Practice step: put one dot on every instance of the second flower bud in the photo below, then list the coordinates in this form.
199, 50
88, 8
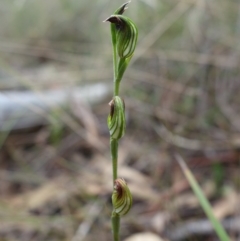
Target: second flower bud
116, 118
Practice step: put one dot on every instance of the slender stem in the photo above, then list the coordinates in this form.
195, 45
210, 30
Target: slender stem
114, 154
116, 87
115, 226
114, 142
115, 217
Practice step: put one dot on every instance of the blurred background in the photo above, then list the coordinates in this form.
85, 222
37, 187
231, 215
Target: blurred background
182, 95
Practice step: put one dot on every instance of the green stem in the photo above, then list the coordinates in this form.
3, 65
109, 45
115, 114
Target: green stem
116, 87
115, 226
114, 142
114, 154
115, 217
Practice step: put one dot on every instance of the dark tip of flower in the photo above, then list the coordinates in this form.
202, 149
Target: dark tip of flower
113, 19
122, 9
118, 186
119, 11
111, 103
117, 21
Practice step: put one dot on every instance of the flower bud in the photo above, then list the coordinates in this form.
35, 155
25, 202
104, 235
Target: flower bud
121, 197
116, 118
126, 35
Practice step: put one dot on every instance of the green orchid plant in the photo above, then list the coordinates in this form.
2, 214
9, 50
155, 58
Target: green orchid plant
124, 39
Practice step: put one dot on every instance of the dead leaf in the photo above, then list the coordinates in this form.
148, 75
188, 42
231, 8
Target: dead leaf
144, 237
227, 206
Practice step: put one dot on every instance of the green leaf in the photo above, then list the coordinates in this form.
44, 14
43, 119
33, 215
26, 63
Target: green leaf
223, 236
